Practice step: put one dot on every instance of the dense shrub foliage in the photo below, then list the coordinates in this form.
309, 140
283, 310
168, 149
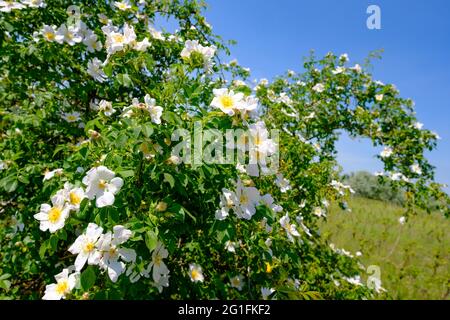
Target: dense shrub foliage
97, 204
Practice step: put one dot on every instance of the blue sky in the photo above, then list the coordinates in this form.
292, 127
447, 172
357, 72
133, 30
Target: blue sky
274, 36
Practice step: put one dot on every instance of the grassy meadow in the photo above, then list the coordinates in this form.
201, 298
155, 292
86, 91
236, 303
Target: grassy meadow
413, 257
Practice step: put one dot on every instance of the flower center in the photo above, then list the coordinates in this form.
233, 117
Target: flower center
54, 214
195, 274
243, 199
88, 247
50, 36
258, 140
289, 228
102, 184
118, 38
158, 259
236, 282
226, 101
62, 287
74, 198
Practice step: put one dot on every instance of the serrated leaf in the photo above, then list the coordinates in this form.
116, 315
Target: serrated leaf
169, 178
87, 278
126, 173
151, 239
147, 129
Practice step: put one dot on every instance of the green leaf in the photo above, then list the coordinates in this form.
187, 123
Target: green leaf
124, 79
151, 239
58, 149
108, 69
53, 242
62, 234
24, 179
9, 183
147, 129
43, 249
84, 206
113, 215
169, 178
117, 160
87, 278
84, 152
5, 284
126, 173
8, 26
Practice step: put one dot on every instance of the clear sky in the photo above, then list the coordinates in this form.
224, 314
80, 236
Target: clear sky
274, 36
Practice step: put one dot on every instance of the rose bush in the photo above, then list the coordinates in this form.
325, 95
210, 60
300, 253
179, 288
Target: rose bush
97, 205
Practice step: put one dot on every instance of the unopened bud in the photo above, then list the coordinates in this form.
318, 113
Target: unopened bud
161, 206
94, 134
173, 159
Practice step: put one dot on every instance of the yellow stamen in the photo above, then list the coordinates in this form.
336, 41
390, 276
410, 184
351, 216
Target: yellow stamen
157, 260
54, 214
226, 101
102, 184
195, 274
74, 198
268, 267
50, 36
258, 140
88, 247
243, 199
118, 38
62, 287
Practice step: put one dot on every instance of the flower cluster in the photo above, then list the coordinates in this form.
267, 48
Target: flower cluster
53, 217
194, 51
8, 6
232, 103
94, 248
149, 106
101, 184
72, 34
117, 40
341, 188
243, 201
104, 250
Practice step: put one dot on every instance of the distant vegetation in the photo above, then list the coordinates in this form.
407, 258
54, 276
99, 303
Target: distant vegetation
368, 186
413, 257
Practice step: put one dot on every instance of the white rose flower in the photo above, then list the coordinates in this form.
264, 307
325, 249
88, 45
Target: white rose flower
49, 33
63, 286
227, 101
85, 246
52, 218
103, 185
291, 229
112, 255
319, 88
94, 69
237, 282
196, 273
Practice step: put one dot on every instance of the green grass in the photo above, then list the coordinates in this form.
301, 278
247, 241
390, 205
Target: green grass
414, 258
